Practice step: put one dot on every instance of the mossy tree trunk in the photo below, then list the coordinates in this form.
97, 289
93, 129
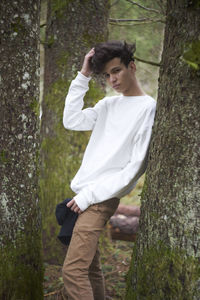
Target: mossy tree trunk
21, 268
165, 261
73, 27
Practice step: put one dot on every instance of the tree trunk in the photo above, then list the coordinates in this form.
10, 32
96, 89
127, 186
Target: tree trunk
73, 27
20, 225
165, 262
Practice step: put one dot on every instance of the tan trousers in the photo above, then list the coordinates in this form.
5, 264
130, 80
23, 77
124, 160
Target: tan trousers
82, 274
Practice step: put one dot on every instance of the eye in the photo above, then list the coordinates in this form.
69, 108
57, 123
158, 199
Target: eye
116, 70
106, 75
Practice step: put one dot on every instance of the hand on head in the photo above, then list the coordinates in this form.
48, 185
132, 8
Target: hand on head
86, 71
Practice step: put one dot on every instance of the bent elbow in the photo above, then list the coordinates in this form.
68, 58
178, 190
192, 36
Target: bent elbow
71, 121
66, 123
67, 119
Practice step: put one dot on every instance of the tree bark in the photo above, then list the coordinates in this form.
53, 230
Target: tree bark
165, 262
73, 27
21, 272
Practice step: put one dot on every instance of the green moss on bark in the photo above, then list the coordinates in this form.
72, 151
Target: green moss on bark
21, 269
62, 60
35, 106
18, 26
88, 39
3, 157
50, 41
191, 54
163, 273
59, 7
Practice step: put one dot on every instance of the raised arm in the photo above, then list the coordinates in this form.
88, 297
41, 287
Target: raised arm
74, 116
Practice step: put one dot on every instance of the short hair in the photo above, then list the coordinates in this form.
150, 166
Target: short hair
104, 52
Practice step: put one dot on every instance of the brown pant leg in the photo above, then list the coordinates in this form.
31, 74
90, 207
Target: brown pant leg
96, 277
82, 250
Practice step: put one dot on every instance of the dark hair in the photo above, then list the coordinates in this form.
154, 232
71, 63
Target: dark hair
104, 52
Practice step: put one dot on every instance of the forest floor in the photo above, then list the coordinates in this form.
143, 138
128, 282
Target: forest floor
115, 265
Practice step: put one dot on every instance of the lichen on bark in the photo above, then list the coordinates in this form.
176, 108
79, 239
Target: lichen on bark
20, 223
166, 257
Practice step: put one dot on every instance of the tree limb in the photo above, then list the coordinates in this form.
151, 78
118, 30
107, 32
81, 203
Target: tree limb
148, 62
144, 20
116, 23
143, 7
128, 20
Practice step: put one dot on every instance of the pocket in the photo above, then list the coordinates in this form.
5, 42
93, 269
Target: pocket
109, 207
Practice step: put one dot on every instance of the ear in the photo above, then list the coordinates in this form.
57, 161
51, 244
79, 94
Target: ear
132, 66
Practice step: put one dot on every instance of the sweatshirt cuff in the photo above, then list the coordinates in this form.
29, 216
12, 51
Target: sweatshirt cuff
82, 200
83, 77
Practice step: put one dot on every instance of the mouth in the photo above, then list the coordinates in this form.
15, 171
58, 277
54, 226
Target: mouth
116, 86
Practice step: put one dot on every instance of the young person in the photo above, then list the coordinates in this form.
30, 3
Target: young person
115, 158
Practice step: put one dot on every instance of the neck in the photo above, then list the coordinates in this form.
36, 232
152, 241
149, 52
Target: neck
134, 90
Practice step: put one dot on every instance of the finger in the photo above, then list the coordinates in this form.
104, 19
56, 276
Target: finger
70, 203
76, 209
73, 207
90, 53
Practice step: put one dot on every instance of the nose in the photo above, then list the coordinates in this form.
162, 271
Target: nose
112, 78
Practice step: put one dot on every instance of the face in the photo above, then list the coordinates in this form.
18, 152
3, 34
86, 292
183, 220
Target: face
120, 77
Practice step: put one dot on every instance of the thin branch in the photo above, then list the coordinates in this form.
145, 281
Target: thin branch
52, 293
125, 25
137, 21
148, 62
128, 20
143, 7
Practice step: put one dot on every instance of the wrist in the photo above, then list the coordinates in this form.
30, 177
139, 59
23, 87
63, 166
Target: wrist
85, 73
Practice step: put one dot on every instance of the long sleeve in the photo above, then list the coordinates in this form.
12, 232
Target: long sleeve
74, 116
114, 184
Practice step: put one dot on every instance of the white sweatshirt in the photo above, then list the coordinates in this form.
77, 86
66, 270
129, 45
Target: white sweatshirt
116, 154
